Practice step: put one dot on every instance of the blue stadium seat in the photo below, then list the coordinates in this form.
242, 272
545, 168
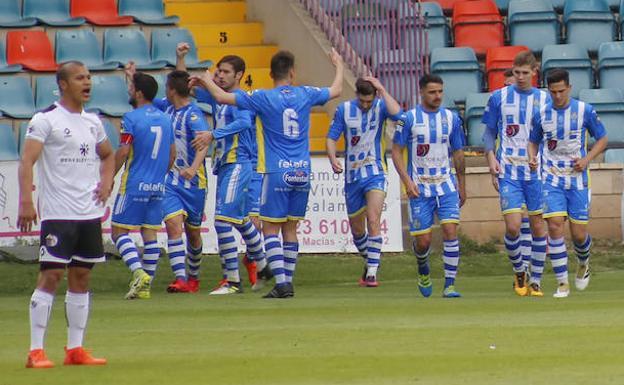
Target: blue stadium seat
112, 132
459, 69
82, 45
151, 12
475, 106
16, 98
573, 58
589, 23
23, 127
161, 79
609, 104
398, 72
364, 28
8, 144
46, 92
611, 64
4, 66
11, 16
122, 45
533, 23
438, 31
52, 12
614, 155
165, 41
109, 95
558, 5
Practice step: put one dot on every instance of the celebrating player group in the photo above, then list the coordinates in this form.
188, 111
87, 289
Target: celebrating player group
535, 144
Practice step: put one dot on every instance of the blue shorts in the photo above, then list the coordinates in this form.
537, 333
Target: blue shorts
253, 195
422, 209
284, 195
560, 202
517, 194
231, 197
355, 192
135, 211
188, 202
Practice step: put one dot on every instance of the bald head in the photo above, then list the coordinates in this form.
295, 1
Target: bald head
74, 83
65, 70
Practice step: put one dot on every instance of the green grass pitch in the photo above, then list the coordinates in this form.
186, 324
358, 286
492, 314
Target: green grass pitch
333, 332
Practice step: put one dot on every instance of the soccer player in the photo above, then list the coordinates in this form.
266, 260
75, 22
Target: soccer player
232, 163
562, 127
75, 164
147, 149
508, 116
362, 122
283, 157
434, 138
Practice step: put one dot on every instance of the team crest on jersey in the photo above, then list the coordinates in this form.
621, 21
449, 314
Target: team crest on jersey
296, 178
422, 149
194, 117
512, 130
355, 140
84, 149
552, 144
51, 240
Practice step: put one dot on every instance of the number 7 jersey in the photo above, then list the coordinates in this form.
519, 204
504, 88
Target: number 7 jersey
283, 138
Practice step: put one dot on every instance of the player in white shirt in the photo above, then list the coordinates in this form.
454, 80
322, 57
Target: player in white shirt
75, 163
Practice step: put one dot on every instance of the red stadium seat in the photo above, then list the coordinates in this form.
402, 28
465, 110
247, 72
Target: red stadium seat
31, 49
100, 12
499, 59
447, 5
478, 24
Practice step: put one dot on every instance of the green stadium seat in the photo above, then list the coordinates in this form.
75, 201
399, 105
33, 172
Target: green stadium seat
23, 127
611, 64
46, 92
459, 69
533, 23
11, 16
112, 132
8, 145
589, 23
609, 104
54, 13
165, 41
438, 31
81, 45
614, 155
109, 95
150, 12
16, 98
475, 106
4, 66
573, 58
122, 45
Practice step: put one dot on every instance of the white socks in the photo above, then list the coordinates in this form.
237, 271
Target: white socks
40, 309
77, 312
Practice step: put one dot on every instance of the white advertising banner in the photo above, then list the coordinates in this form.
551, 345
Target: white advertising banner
325, 229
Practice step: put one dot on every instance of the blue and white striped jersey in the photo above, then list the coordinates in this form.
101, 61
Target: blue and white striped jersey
430, 138
509, 116
185, 121
564, 133
364, 137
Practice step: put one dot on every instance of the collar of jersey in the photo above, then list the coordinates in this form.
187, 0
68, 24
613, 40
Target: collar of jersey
524, 92
62, 107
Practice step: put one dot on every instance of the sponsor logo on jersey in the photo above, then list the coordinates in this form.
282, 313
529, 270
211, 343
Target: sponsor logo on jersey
355, 140
293, 164
67, 132
296, 178
552, 144
422, 149
512, 130
152, 187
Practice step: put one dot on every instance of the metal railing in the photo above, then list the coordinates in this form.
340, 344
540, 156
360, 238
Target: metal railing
383, 38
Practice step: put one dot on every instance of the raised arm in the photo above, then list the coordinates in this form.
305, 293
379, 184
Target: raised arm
391, 105
220, 96
181, 50
336, 88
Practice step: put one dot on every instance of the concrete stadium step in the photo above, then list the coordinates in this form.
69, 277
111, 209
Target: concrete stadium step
227, 34
254, 55
208, 11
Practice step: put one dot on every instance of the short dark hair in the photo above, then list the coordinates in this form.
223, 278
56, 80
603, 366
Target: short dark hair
508, 73
281, 63
556, 75
146, 84
364, 87
429, 78
178, 81
235, 61
62, 72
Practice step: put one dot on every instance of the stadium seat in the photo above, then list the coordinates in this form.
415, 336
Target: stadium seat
101, 12
112, 133
365, 28
558, 5
122, 45
614, 155
52, 12
161, 79
4, 66
589, 23
11, 17
447, 5
533, 23
477, 24
609, 104
475, 106
151, 12
109, 95
46, 92
611, 64
503, 6
438, 31
497, 61
82, 45
16, 98
573, 58
8, 144
31, 49
459, 69
165, 41
22, 136
398, 72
